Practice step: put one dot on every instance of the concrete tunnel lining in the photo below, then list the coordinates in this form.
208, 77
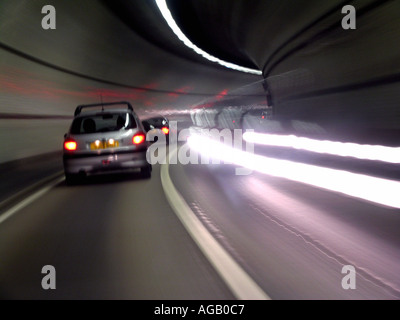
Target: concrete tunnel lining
92, 40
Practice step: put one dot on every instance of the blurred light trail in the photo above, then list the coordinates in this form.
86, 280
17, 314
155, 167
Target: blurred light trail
166, 13
382, 191
343, 149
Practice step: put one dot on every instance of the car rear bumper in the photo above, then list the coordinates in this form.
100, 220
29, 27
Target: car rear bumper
94, 164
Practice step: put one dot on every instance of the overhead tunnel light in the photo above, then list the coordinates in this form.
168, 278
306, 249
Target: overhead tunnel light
166, 13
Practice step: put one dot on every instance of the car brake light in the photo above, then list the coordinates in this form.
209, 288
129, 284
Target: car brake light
165, 130
70, 145
138, 138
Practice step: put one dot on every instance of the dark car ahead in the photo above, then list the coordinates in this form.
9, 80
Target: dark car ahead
108, 140
156, 125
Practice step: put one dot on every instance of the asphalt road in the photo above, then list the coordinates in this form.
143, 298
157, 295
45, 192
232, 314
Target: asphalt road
294, 239
109, 238
118, 238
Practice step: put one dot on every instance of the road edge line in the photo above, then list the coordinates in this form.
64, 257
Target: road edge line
240, 283
29, 189
28, 200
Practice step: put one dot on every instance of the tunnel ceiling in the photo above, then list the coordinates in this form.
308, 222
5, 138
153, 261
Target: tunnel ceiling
120, 50
217, 27
240, 31
314, 69
144, 18
196, 21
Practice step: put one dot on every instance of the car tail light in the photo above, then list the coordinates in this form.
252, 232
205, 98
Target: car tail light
70, 145
138, 138
165, 130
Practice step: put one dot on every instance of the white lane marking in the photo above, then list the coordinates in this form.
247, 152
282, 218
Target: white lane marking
22, 204
32, 187
240, 283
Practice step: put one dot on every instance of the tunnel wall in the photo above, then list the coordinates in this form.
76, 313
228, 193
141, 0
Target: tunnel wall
346, 80
315, 71
45, 74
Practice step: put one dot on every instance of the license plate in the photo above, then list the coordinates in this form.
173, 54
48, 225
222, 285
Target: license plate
105, 144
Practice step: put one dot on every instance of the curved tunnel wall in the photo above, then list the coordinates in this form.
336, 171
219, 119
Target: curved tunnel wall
44, 74
347, 81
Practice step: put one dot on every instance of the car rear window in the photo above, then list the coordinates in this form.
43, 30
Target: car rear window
104, 122
157, 122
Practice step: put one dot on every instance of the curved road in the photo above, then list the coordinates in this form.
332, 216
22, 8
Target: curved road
109, 238
116, 237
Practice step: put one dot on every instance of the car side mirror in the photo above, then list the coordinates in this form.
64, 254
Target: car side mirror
65, 135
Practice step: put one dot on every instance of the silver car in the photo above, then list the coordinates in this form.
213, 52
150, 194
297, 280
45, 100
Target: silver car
108, 140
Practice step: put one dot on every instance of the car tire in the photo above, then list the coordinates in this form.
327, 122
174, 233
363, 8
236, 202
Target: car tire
146, 172
72, 179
